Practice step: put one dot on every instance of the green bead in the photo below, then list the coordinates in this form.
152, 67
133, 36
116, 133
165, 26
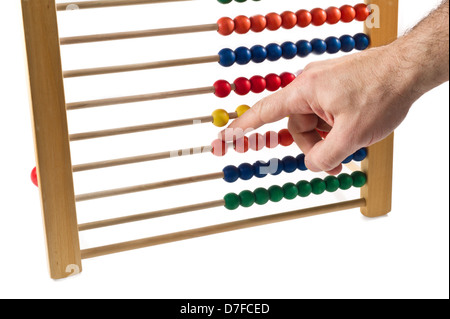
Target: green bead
290, 191
345, 181
224, 1
232, 201
247, 198
332, 183
359, 179
276, 193
304, 188
240, 0
318, 186
262, 196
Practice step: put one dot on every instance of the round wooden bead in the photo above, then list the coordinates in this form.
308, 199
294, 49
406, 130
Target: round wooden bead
347, 43
285, 138
243, 55
345, 181
231, 174
242, 86
276, 166
271, 139
332, 183
256, 142
262, 196
348, 159
242, 24
318, 186
319, 46
333, 15
333, 45
274, 52
261, 169
286, 79
359, 179
274, 21
34, 178
319, 16
348, 13
362, 41
220, 118
360, 155
290, 191
225, 26
289, 50
219, 148
304, 18
241, 145
259, 53
362, 12
258, 23
247, 198
247, 171
222, 88
232, 201
276, 193
301, 162
258, 84
273, 82
224, 1
289, 20
227, 57
304, 188
289, 164
242, 109
304, 48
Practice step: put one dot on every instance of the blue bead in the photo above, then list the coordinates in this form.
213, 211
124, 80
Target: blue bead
360, 155
261, 169
348, 159
304, 48
259, 53
274, 52
318, 46
231, 174
289, 50
290, 164
246, 171
301, 162
227, 57
243, 55
362, 41
347, 43
333, 45
276, 166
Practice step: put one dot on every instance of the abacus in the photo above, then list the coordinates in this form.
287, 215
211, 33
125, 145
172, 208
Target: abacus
54, 169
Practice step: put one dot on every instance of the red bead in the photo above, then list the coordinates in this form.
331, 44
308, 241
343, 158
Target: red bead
225, 26
348, 13
286, 79
289, 20
319, 16
219, 147
34, 179
259, 23
285, 138
273, 82
322, 133
243, 86
256, 142
274, 21
304, 18
242, 24
333, 15
222, 88
271, 139
362, 12
241, 145
258, 84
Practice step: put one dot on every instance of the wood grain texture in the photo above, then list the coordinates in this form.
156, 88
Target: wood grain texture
379, 163
49, 121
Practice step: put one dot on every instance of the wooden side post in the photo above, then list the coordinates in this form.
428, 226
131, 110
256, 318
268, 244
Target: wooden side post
48, 108
379, 164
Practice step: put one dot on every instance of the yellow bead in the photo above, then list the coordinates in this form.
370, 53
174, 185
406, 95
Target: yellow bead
220, 118
242, 109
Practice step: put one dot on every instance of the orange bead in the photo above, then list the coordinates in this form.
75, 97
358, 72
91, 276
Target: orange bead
225, 26
333, 15
348, 13
289, 20
319, 16
274, 21
242, 24
258, 22
304, 18
362, 12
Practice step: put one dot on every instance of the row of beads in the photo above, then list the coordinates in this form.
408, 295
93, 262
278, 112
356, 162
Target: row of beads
256, 84
228, 1
290, 191
255, 142
274, 167
289, 50
222, 117
288, 19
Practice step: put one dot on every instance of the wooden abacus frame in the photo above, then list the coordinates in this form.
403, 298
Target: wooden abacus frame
54, 166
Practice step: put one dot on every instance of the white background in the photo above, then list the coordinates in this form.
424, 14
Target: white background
341, 255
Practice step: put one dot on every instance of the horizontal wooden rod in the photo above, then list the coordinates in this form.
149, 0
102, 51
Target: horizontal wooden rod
140, 66
151, 215
144, 128
353, 166
221, 228
68, 6
137, 34
147, 187
138, 98
141, 158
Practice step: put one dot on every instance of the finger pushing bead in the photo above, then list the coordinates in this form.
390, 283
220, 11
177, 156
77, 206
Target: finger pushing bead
242, 109
286, 79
